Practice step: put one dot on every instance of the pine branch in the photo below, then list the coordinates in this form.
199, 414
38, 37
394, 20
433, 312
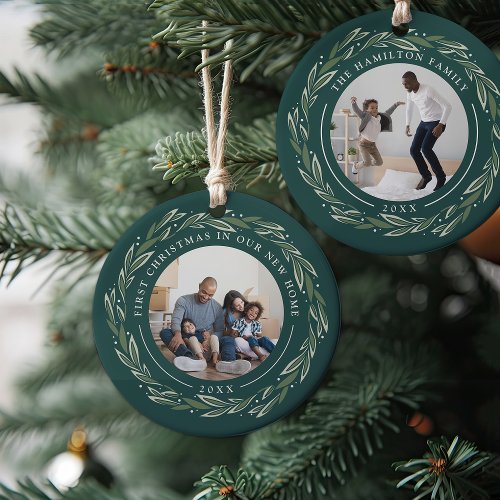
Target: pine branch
150, 70
274, 35
69, 28
250, 154
86, 489
80, 239
127, 147
83, 100
344, 424
457, 470
54, 416
70, 348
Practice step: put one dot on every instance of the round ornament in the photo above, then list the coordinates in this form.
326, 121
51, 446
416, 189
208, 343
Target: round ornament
417, 117
172, 271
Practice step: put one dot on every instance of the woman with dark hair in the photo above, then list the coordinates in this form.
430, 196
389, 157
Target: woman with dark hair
233, 307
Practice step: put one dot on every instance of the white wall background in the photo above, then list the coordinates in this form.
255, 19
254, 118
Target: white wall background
384, 85
233, 269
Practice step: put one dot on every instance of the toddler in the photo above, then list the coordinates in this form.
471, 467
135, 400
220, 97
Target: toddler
250, 328
199, 341
372, 123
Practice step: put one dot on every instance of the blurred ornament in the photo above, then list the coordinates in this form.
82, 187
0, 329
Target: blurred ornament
67, 469
421, 424
484, 242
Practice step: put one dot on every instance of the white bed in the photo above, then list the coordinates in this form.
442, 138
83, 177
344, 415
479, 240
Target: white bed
397, 185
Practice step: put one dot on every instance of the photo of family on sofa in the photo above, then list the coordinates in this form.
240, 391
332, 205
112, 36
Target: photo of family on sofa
216, 339
404, 148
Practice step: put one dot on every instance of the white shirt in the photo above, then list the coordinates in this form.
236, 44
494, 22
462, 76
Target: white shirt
372, 129
432, 106
247, 331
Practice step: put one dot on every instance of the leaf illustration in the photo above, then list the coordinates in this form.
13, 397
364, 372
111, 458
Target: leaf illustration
292, 127
121, 283
309, 287
304, 101
293, 365
288, 380
268, 407
421, 41
311, 77
241, 406
220, 224
450, 211
399, 232
454, 45
323, 80
354, 35
113, 327
481, 93
374, 39
215, 413
196, 404
379, 223
269, 225
298, 273
424, 225
143, 378
212, 401
146, 245
191, 220
305, 157
134, 352
305, 368
303, 132
125, 360
236, 221
345, 220
492, 104
397, 221
128, 258
477, 183
316, 170
109, 308
121, 314
287, 246
471, 199
140, 261
295, 146
307, 178
165, 401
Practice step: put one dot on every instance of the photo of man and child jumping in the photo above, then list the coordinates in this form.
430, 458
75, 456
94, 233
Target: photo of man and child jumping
399, 155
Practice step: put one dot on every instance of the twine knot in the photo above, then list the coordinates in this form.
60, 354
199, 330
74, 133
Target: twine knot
218, 181
402, 12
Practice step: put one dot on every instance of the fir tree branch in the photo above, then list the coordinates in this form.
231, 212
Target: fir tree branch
83, 100
344, 422
457, 470
274, 35
80, 239
86, 489
54, 416
69, 28
250, 154
152, 69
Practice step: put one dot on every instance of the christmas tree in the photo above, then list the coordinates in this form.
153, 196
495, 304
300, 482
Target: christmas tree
418, 356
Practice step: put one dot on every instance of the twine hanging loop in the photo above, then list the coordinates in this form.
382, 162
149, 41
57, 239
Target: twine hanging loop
218, 179
402, 12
